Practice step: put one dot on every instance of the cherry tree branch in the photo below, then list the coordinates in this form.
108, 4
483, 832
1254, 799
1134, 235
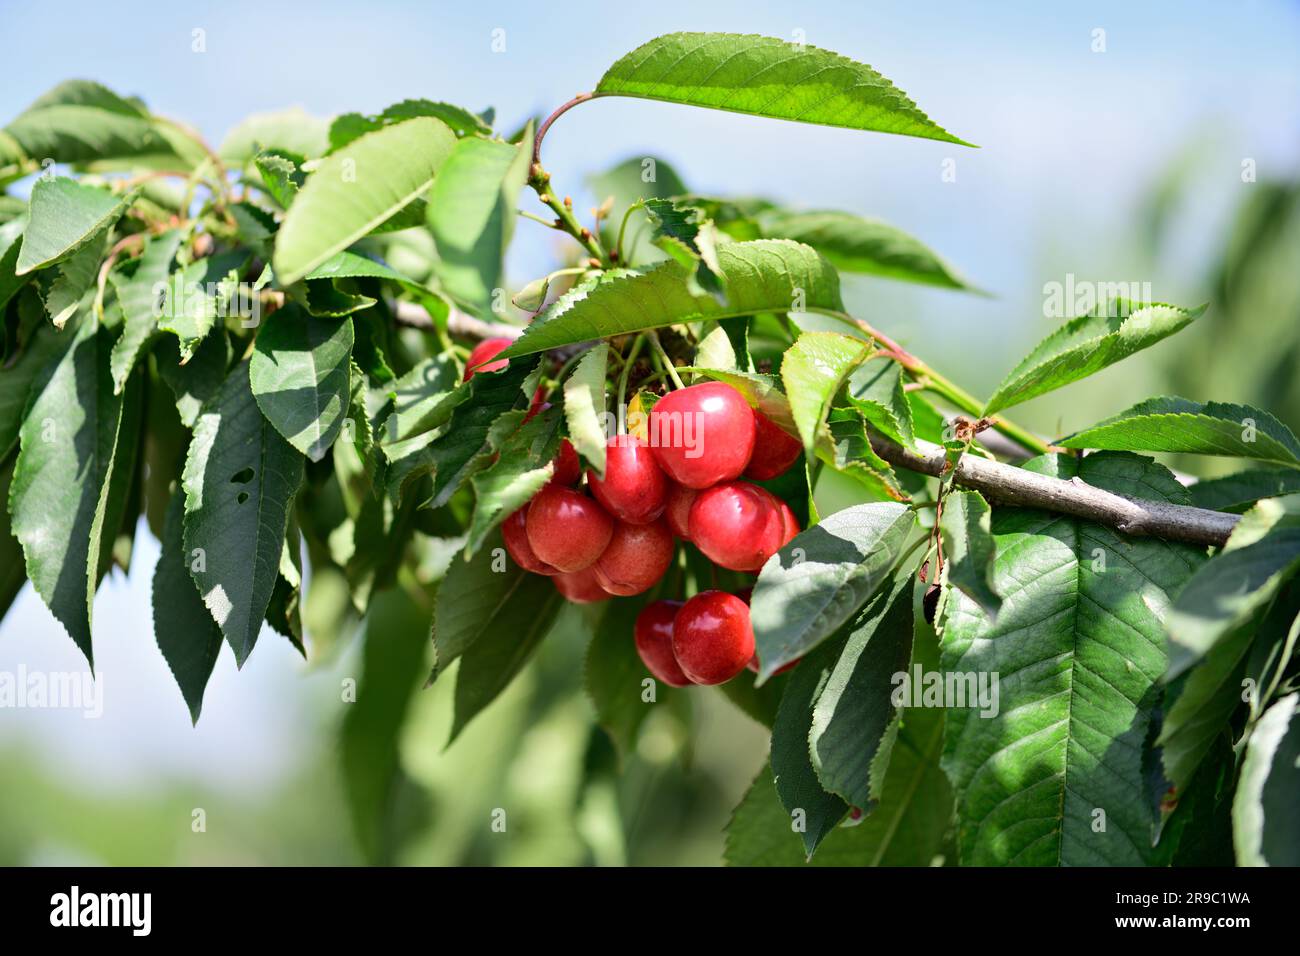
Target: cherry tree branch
458, 323
1009, 485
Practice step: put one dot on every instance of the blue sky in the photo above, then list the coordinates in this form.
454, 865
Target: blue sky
1070, 139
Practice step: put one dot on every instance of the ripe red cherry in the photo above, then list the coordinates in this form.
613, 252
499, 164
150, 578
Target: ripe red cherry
775, 449
713, 638
515, 532
637, 556
580, 587
567, 467
566, 529
654, 642
479, 357
789, 522
737, 525
678, 510
634, 487
703, 434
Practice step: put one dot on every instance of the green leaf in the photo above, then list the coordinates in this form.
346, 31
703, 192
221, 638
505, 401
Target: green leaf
11, 236
634, 179
472, 214
854, 708
240, 480
1180, 425
423, 399
75, 276
1261, 555
969, 549
281, 176
855, 244
524, 456
80, 121
813, 370
187, 636
65, 217
355, 189
60, 499
197, 296
392, 665
198, 380
767, 77
584, 405
491, 662
1089, 344
299, 373
1074, 657
40, 351
140, 300
1238, 492
848, 450
817, 582
763, 276
876, 390
1265, 821
12, 569
290, 131
615, 678
810, 807
460, 451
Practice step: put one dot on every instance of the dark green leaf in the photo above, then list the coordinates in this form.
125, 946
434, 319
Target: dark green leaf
1240, 491
299, 373
816, 583
969, 549
1265, 815
1050, 771
187, 636
240, 480
139, 298
876, 389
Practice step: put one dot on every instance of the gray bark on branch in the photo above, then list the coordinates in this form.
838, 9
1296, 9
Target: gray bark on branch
413, 316
1009, 485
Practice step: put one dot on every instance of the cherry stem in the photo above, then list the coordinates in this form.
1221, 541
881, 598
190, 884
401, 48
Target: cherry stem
546, 123
622, 381
663, 357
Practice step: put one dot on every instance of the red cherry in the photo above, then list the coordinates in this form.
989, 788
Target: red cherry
580, 587
775, 449
566, 529
713, 638
634, 488
637, 556
479, 357
678, 510
515, 532
789, 522
703, 434
737, 525
654, 642
567, 467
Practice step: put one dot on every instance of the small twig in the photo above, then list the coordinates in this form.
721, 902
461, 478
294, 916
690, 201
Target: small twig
1009, 485
546, 123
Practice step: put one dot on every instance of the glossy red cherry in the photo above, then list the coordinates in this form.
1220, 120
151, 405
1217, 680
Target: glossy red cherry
566, 529
480, 357
737, 525
634, 487
775, 449
580, 587
654, 642
515, 532
713, 638
703, 434
678, 509
567, 467
789, 522
637, 556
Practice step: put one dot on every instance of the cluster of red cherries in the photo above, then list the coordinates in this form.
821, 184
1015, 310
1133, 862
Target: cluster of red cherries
615, 536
